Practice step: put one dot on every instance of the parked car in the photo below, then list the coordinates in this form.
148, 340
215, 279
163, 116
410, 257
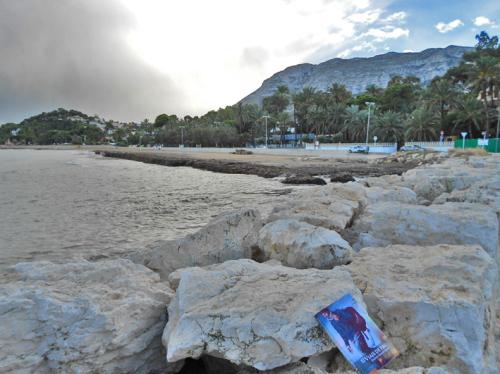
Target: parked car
413, 147
359, 149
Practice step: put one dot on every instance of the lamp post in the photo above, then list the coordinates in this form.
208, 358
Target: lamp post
464, 134
265, 118
369, 104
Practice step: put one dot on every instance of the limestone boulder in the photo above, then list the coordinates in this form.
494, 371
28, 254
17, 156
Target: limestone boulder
436, 303
301, 245
230, 236
258, 315
454, 174
333, 207
486, 192
82, 317
450, 223
377, 194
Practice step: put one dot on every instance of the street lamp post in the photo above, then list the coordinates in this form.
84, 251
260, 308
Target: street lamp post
369, 104
265, 118
464, 134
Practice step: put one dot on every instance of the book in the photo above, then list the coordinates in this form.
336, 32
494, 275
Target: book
355, 334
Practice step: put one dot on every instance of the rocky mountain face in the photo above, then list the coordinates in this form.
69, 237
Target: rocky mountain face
357, 73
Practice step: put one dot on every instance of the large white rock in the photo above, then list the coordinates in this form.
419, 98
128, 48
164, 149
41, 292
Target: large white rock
82, 317
486, 192
333, 207
377, 194
449, 176
259, 315
301, 245
454, 174
450, 223
230, 236
436, 303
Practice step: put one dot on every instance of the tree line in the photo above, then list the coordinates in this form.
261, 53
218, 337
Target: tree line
464, 99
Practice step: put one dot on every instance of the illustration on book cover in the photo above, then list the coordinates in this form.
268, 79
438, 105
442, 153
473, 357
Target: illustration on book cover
355, 334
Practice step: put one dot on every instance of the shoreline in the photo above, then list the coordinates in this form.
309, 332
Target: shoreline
298, 165
286, 164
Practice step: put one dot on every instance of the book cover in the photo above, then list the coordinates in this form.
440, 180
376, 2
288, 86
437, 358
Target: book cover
355, 334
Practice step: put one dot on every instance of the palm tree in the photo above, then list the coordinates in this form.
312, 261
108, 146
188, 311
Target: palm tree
374, 90
355, 123
469, 113
485, 76
335, 114
441, 94
283, 122
421, 125
389, 126
278, 101
303, 102
338, 93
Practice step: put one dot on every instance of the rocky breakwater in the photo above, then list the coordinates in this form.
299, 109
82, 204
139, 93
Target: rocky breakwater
419, 250
426, 242
82, 317
301, 172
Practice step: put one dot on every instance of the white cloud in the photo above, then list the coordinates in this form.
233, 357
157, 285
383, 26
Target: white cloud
482, 21
367, 17
388, 32
447, 27
223, 50
408, 51
396, 17
363, 46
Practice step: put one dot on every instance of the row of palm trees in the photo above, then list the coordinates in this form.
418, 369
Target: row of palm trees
464, 99
348, 121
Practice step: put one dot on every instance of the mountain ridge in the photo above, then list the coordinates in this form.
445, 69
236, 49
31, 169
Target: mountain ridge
359, 72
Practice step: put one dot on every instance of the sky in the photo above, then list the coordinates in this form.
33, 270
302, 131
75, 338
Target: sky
133, 59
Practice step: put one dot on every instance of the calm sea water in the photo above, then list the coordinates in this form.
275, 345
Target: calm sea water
58, 205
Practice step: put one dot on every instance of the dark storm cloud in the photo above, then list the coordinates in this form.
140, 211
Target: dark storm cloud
73, 54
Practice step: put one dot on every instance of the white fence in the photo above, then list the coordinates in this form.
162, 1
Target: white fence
325, 147
374, 147
386, 148
435, 146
